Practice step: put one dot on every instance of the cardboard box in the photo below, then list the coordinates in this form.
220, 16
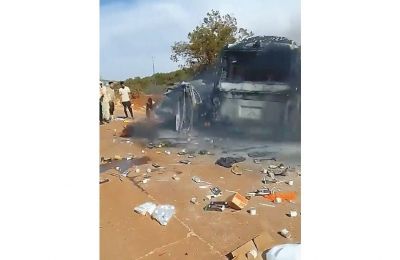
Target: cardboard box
237, 201
241, 251
264, 241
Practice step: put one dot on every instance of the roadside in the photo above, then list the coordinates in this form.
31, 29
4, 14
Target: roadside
192, 233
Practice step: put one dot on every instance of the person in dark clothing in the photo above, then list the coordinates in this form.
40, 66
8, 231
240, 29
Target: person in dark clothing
111, 95
101, 114
149, 107
101, 108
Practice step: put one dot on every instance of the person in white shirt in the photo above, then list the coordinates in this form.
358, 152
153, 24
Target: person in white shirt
125, 99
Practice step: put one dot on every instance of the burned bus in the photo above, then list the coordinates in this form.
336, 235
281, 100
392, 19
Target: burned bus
259, 83
256, 84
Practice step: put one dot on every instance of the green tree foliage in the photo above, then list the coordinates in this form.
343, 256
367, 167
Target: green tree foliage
207, 40
158, 82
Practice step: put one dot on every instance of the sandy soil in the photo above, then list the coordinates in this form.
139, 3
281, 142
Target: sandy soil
192, 233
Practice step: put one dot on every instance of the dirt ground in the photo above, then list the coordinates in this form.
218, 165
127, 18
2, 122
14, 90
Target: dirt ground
192, 233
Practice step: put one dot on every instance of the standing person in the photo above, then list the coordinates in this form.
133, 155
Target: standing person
105, 104
124, 91
111, 96
149, 107
101, 108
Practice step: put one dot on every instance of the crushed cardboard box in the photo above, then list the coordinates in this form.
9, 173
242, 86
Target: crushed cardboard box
241, 251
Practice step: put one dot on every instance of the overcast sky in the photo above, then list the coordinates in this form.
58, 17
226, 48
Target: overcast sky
132, 31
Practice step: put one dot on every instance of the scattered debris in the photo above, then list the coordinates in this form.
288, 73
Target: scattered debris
290, 183
191, 156
125, 173
227, 162
258, 161
253, 211
282, 173
283, 195
194, 200
236, 170
278, 200
167, 152
125, 140
185, 161
285, 233
203, 152
196, 179
266, 180
205, 186
292, 213
213, 196
176, 178
155, 165
144, 181
237, 201
268, 205
259, 192
104, 181
216, 191
216, 206
106, 160
275, 190
117, 157
273, 166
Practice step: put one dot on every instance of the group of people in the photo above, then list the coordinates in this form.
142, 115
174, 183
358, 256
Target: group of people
107, 101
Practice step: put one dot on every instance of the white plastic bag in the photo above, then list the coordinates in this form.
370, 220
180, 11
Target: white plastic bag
144, 208
163, 213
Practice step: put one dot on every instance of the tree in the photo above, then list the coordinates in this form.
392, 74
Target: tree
207, 40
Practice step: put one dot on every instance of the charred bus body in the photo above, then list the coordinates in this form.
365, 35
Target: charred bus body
259, 83
256, 83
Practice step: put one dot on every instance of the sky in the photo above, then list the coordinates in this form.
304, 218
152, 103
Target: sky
134, 31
